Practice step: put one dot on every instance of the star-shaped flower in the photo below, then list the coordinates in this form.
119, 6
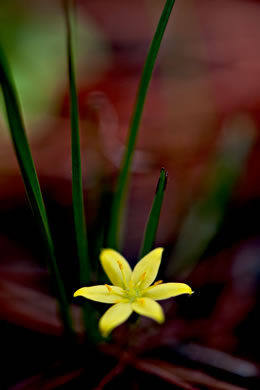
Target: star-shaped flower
131, 290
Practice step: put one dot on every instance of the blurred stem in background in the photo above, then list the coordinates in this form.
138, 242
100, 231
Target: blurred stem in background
205, 215
118, 203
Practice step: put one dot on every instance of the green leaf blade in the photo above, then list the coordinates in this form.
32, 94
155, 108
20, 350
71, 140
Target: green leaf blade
31, 183
123, 179
154, 216
77, 187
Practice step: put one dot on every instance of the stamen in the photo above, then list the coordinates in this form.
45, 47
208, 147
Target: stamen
153, 285
108, 287
122, 272
140, 281
158, 282
120, 265
141, 300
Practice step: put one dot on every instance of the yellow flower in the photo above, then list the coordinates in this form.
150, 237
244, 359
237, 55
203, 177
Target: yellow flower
131, 290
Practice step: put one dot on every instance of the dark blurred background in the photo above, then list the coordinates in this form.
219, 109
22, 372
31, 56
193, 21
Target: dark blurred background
201, 122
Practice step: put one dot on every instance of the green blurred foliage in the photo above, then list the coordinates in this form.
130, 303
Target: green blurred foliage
33, 35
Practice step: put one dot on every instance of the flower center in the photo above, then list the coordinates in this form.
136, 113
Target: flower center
132, 293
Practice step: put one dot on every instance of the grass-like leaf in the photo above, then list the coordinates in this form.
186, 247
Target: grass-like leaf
77, 188
31, 182
121, 189
153, 219
205, 215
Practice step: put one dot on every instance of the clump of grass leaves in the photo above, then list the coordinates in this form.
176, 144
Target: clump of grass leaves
29, 175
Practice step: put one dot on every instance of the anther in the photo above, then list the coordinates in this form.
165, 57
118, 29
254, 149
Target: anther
120, 265
108, 287
143, 276
158, 282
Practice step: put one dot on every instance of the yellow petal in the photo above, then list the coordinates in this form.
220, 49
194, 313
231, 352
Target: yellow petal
167, 290
109, 294
146, 269
114, 317
149, 308
116, 267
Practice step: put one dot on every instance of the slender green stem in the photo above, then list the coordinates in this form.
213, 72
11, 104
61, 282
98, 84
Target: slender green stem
154, 216
120, 194
77, 188
31, 182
